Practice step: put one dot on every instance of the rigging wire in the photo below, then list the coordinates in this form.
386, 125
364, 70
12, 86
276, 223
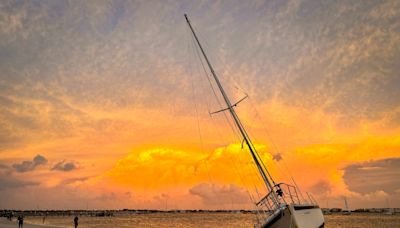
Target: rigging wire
215, 94
262, 168
198, 125
251, 144
252, 199
236, 86
228, 70
277, 150
257, 156
227, 67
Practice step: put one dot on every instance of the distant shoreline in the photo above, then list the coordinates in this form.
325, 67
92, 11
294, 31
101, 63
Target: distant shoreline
105, 213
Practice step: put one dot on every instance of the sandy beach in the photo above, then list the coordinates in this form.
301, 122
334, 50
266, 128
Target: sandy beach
189, 220
4, 223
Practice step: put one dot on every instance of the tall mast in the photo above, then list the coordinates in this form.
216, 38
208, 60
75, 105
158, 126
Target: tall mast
260, 165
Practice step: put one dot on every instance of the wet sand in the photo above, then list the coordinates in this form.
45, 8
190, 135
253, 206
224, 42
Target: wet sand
206, 220
4, 223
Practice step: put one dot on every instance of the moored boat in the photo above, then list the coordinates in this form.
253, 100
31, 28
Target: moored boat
281, 206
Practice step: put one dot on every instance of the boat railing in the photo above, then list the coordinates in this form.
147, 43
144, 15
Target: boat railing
268, 201
312, 199
281, 194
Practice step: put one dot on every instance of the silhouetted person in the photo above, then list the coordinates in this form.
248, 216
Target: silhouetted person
76, 221
20, 221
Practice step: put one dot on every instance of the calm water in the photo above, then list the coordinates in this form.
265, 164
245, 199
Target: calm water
210, 220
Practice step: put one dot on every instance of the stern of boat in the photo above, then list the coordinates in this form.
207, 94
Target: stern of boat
307, 215
290, 211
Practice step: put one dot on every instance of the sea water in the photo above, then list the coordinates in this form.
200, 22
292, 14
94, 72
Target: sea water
362, 220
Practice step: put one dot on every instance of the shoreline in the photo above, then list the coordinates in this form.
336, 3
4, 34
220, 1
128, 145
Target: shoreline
188, 220
5, 223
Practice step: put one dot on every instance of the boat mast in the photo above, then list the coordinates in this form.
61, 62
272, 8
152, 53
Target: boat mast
264, 174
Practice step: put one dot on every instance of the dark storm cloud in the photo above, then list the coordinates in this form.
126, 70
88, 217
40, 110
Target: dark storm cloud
26, 166
373, 176
64, 166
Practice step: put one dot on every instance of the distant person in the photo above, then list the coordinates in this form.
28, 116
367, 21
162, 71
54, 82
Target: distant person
44, 219
20, 221
76, 221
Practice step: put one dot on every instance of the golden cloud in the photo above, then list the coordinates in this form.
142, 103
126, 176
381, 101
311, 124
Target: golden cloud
163, 167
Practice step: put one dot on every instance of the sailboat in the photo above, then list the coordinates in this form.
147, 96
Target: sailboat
281, 206
346, 211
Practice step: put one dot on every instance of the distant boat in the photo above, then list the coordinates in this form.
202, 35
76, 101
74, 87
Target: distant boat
281, 206
346, 211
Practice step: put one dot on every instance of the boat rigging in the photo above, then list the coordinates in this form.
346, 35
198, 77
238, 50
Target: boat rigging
282, 203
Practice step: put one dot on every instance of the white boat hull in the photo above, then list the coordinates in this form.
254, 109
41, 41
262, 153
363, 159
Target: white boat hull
299, 216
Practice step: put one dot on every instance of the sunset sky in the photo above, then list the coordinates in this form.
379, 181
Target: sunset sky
105, 104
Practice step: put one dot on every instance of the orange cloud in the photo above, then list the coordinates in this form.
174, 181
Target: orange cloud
166, 168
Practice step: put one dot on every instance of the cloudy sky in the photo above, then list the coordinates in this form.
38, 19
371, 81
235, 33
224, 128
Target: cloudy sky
105, 104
